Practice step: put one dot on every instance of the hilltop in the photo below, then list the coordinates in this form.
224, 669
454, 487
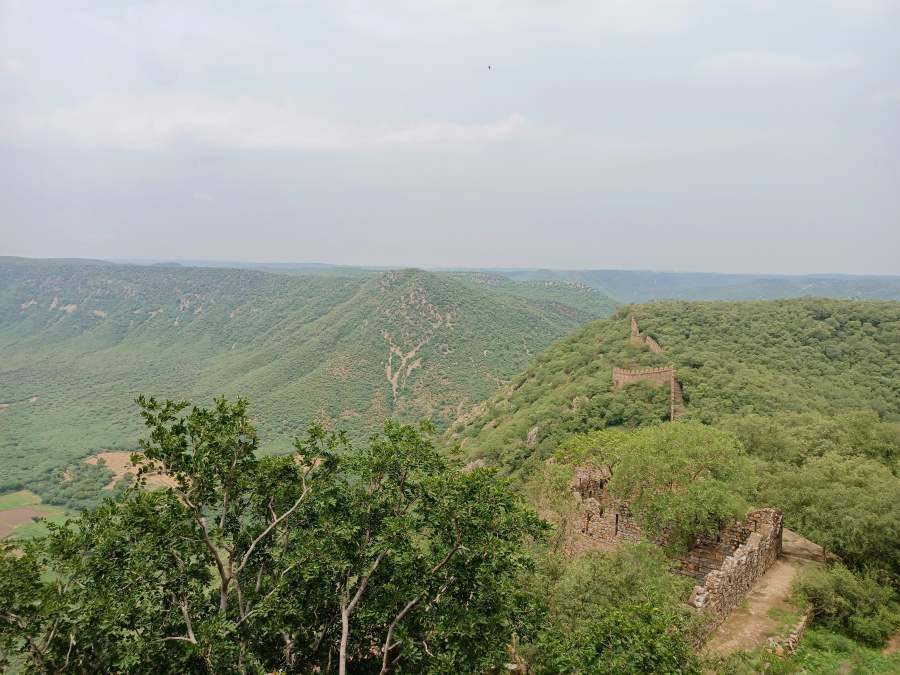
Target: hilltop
81, 339
752, 358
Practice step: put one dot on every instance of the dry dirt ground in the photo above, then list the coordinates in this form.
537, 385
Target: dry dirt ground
893, 645
119, 462
12, 518
749, 626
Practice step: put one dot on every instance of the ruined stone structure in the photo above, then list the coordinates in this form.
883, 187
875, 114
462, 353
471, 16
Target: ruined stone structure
601, 521
725, 568
663, 376
641, 339
722, 589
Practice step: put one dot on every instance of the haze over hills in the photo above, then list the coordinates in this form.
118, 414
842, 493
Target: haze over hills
80, 339
627, 286
644, 285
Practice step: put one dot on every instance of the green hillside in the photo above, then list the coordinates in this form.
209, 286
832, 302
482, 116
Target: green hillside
80, 339
756, 358
576, 300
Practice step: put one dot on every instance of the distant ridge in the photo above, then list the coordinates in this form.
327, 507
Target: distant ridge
85, 338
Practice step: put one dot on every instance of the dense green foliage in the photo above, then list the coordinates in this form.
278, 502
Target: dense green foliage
849, 505
860, 605
806, 388
78, 486
377, 559
681, 480
80, 339
622, 612
758, 358
575, 300
792, 438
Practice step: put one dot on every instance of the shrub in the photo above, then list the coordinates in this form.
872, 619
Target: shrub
858, 605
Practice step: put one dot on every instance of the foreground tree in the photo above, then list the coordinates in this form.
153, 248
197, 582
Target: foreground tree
332, 559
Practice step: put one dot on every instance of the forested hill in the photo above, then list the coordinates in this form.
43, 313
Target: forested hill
774, 357
80, 339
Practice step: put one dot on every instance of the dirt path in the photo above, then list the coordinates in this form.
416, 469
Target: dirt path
119, 462
893, 645
749, 626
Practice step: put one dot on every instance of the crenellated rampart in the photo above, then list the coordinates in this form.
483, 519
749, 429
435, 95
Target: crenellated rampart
659, 376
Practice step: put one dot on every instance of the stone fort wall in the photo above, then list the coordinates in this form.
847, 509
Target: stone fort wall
660, 376
724, 568
724, 588
639, 338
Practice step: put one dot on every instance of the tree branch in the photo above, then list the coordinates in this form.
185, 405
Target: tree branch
268, 529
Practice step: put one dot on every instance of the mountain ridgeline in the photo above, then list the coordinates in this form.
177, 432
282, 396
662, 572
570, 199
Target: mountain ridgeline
731, 359
81, 339
644, 286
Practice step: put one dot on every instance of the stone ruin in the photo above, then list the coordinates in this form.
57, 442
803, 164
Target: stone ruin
642, 339
724, 568
662, 376
733, 571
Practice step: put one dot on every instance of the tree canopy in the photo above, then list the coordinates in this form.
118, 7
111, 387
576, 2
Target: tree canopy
334, 558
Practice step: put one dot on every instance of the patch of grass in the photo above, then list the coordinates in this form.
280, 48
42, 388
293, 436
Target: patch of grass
785, 617
821, 651
14, 500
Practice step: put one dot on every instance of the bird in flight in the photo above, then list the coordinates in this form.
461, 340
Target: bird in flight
489, 67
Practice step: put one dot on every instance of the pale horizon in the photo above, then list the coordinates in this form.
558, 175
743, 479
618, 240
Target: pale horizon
732, 137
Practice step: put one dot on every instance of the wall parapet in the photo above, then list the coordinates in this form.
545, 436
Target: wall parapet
788, 644
643, 371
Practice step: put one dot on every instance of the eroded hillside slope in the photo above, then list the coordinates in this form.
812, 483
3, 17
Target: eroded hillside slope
80, 339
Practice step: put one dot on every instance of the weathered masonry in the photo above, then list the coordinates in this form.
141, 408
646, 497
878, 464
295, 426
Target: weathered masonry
662, 376
724, 568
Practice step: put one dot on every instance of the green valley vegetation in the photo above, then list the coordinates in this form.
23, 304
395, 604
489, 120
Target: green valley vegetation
645, 286
384, 556
81, 339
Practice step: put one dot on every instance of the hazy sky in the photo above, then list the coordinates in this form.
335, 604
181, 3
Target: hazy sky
718, 135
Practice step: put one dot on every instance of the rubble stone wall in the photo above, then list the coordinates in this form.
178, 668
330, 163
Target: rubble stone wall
725, 568
723, 589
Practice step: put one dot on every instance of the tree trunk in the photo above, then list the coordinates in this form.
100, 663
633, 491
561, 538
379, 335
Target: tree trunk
345, 634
